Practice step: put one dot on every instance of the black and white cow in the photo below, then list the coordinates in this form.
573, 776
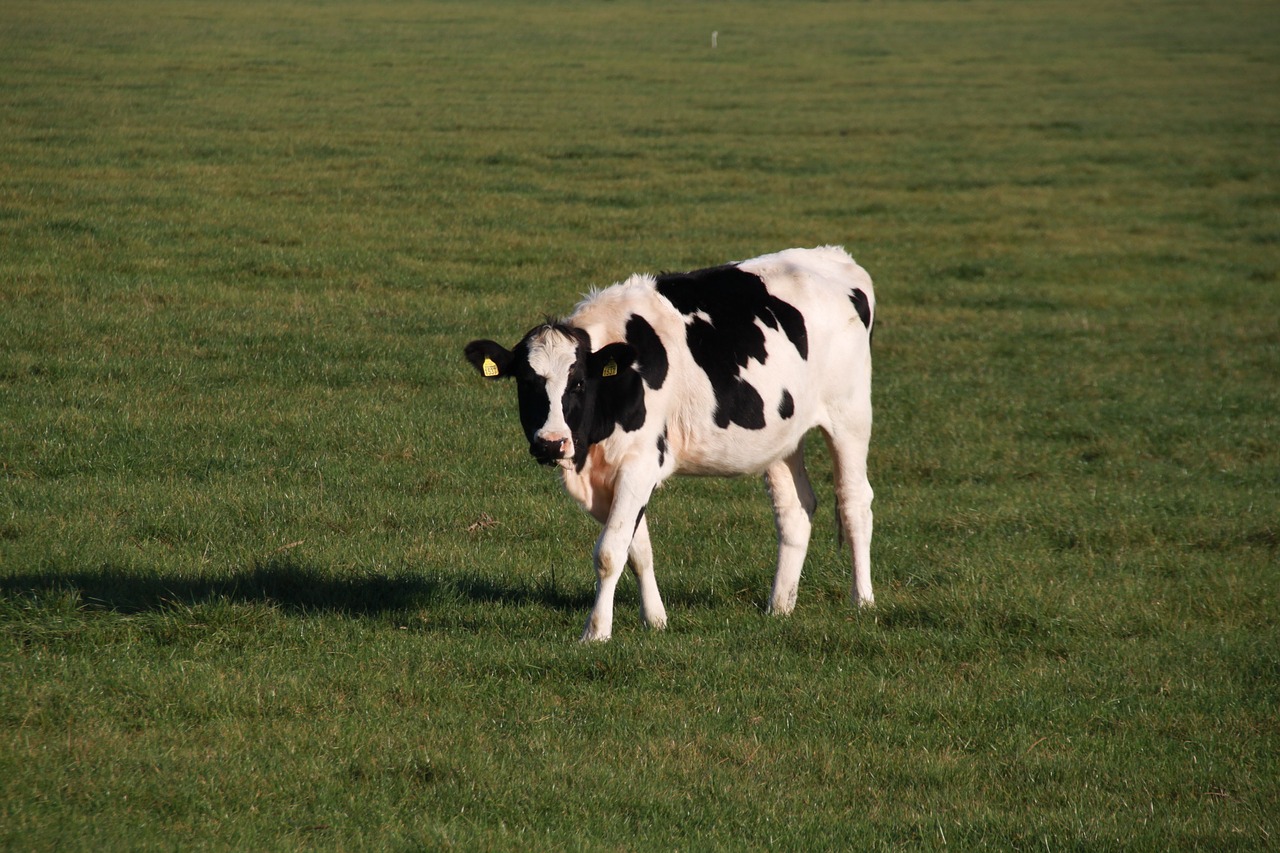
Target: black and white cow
719, 371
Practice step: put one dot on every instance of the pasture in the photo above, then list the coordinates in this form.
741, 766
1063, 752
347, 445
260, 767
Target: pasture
276, 571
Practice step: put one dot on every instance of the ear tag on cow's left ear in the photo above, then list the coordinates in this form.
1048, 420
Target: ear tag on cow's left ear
610, 369
489, 367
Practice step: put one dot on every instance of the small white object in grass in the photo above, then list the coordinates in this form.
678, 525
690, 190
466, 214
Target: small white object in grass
714, 34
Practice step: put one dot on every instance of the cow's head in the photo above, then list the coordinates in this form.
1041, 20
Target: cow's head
570, 397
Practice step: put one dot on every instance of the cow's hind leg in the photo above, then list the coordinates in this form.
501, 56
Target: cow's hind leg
853, 495
793, 506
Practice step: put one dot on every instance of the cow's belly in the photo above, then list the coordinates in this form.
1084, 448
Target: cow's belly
786, 396
733, 451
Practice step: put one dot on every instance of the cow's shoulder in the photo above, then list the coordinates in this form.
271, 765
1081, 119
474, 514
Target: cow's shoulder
633, 313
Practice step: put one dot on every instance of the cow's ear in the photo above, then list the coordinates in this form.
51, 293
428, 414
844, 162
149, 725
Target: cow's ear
491, 359
610, 361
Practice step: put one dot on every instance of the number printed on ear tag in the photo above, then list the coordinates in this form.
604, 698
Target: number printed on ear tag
489, 367
610, 369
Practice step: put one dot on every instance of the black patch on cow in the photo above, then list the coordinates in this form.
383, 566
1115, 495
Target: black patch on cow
723, 341
639, 518
787, 406
862, 306
662, 448
602, 403
649, 349
737, 401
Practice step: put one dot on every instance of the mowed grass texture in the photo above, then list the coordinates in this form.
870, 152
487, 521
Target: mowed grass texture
277, 573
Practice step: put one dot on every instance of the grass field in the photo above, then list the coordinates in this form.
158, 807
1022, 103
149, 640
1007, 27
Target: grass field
276, 571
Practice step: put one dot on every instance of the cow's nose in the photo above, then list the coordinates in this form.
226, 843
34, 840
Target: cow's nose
548, 450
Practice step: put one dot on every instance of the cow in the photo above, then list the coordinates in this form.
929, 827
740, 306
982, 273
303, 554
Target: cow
720, 371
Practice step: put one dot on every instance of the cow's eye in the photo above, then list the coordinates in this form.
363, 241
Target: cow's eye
576, 386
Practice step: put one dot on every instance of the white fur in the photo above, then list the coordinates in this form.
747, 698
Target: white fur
551, 355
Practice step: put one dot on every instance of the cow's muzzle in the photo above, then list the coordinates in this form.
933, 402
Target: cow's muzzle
549, 451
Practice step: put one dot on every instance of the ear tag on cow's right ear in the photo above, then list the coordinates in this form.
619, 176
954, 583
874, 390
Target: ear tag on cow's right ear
610, 369
489, 367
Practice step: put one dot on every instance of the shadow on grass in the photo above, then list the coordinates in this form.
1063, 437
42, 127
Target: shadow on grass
291, 585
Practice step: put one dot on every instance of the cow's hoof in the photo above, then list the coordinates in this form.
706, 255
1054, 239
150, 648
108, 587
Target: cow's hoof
782, 605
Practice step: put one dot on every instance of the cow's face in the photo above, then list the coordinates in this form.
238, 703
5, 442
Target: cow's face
570, 397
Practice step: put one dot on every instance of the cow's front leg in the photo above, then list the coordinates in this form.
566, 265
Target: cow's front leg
651, 609
621, 528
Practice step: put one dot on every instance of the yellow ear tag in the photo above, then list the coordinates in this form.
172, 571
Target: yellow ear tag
489, 367
610, 369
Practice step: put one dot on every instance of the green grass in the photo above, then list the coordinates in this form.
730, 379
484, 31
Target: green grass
275, 571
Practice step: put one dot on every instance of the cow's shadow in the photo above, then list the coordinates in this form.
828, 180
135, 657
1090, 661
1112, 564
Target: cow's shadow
291, 585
